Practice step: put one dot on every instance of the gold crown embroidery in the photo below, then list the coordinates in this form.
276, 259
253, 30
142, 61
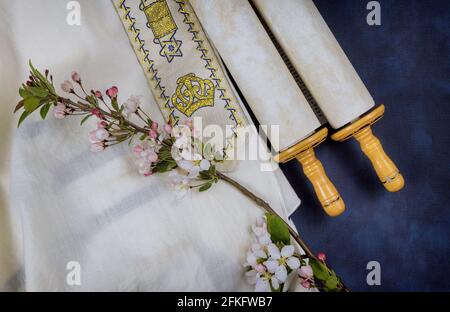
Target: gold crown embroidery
193, 93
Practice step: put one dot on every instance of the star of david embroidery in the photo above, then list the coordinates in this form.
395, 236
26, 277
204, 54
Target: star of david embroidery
170, 48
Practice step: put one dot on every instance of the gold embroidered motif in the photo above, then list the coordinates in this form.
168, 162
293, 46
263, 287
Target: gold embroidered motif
160, 20
198, 37
193, 93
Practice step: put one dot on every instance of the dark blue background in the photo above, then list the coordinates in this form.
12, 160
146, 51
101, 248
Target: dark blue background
405, 64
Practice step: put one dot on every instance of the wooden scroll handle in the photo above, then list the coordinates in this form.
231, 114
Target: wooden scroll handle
385, 168
326, 192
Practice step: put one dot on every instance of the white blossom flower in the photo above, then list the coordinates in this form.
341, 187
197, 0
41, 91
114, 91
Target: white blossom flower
182, 135
260, 232
262, 283
180, 183
204, 164
60, 111
279, 260
144, 166
132, 104
265, 280
98, 135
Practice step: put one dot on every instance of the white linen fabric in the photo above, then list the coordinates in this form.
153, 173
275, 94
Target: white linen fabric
61, 203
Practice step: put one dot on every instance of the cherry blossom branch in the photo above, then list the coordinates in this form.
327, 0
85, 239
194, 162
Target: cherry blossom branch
88, 109
192, 165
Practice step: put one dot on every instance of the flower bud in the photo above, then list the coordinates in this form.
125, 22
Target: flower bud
76, 77
321, 256
112, 92
102, 124
97, 147
153, 134
67, 86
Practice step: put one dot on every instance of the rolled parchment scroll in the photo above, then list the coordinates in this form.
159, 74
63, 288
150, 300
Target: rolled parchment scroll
269, 88
330, 77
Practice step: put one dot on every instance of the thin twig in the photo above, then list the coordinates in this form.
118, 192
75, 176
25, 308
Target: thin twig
263, 204
87, 108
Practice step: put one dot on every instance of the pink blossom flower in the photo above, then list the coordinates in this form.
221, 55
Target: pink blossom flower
76, 77
167, 128
147, 155
305, 284
154, 126
321, 256
98, 94
306, 275
138, 149
60, 111
97, 112
152, 156
97, 147
153, 134
102, 124
67, 86
112, 92
306, 272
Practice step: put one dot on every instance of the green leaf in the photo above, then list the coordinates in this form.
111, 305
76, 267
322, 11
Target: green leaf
321, 272
277, 229
22, 118
332, 283
44, 110
85, 118
23, 93
204, 175
212, 170
92, 100
205, 187
114, 104
164, 166
38, 92
130, 140
31, 103
41, 77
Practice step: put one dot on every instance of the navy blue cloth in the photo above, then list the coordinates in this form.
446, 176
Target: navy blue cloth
405, 64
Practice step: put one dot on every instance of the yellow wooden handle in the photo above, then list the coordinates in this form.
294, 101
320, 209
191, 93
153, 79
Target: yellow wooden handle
328, 196
386, 170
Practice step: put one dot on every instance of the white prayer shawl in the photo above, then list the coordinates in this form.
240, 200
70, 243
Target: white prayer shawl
61, 203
